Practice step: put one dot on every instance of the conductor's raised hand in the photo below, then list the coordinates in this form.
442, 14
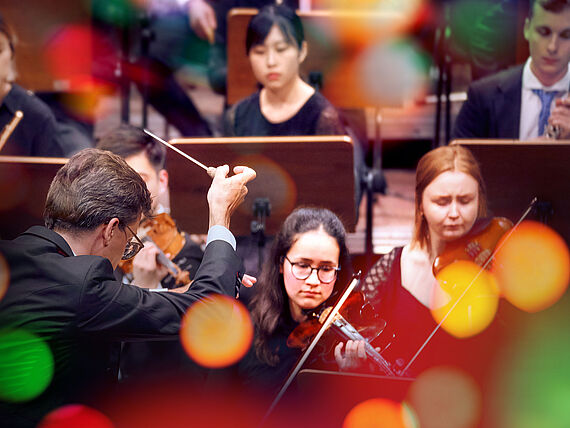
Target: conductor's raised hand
227, 193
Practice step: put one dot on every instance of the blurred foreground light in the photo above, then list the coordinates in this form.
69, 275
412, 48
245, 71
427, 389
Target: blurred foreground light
391, 73
366, 21
216, 332
119, 13
532, 266
26, 365
466, 298
379, 413
73, 73
445, 397
4, 276
75, 416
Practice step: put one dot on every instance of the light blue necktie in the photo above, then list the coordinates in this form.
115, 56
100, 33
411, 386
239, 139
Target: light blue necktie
546, 98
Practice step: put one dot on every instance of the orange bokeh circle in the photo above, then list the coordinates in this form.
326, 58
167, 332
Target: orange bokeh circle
379, 412
532, 266
216, 332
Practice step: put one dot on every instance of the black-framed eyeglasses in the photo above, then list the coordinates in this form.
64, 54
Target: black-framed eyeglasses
302, 270
134, 245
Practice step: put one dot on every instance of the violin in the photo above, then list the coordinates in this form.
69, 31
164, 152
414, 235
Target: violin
304, 332
476, 246
162, 231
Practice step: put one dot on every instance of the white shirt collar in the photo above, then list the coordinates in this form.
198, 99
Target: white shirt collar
530, 81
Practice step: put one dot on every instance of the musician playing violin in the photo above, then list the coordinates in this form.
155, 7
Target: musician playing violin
147, 156
449, 199
308, 266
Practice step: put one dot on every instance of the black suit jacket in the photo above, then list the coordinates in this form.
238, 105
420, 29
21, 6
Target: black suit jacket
493, 107
81, 311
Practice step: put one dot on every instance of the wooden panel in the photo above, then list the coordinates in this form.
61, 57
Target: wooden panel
291, 171
24, 183
330, 51
517, 171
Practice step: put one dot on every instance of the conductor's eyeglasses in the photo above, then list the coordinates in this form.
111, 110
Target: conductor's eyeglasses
302, 270
134, 245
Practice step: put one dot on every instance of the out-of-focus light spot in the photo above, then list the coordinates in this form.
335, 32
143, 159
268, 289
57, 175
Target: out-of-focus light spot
74, 416
473, 311
391, 74
379, 412
4, 276
276, 182
366, 21
69, 55
483, 30
531, 387
119, 13
444, 397
532, 266
26, 366
216, 332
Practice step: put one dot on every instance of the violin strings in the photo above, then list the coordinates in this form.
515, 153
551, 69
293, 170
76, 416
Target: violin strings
483, 267
176, 149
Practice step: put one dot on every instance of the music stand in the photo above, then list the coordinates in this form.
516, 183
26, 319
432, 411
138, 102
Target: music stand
517, 171
24, 183
291, 171
324, 398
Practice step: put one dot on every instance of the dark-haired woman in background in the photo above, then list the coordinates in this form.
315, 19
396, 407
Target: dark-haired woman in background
285, 105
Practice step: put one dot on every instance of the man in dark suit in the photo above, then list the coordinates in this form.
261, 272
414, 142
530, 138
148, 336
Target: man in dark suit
516, 103
63, 291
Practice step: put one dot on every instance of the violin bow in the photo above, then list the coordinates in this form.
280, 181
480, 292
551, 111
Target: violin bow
495, 251
9, 128
326, 324
180, 152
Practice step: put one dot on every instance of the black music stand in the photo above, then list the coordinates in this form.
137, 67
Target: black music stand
517, 171
324, 398
291, 171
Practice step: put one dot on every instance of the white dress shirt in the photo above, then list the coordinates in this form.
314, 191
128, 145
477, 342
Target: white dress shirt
530, 102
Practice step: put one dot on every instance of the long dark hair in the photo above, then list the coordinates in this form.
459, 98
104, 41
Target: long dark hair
271, 303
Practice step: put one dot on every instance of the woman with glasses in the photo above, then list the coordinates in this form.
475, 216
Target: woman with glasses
308, 266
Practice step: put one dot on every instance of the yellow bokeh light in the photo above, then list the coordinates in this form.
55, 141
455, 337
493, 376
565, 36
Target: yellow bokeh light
445, 397
217, 331
379, 412
467, 297
532, 266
